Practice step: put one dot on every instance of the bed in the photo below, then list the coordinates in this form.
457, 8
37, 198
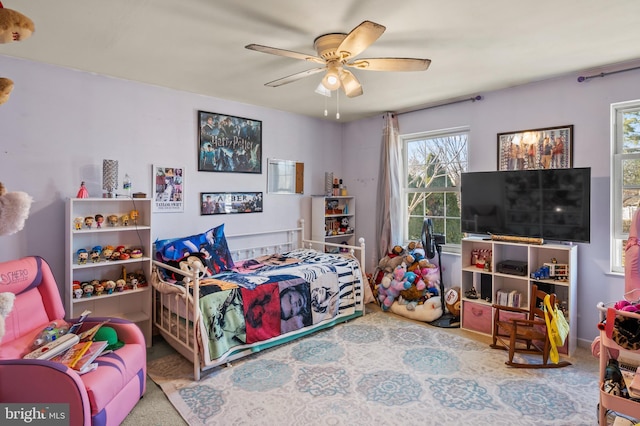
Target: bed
214, 304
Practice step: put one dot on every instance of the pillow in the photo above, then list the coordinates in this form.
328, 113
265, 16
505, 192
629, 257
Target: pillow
212, 244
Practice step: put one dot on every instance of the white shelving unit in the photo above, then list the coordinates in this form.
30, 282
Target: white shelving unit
131, 304
477, 314
327, 212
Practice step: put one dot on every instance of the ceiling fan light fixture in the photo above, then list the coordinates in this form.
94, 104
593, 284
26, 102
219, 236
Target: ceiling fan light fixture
331, 80
321, 90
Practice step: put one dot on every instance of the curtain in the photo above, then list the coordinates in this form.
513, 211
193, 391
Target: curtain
389, 204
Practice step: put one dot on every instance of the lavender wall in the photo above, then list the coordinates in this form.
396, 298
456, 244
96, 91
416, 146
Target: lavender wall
59, 125
548, 103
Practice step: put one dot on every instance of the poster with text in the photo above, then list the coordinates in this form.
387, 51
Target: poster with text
168, 189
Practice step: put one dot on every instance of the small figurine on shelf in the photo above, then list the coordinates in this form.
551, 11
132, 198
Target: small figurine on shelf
99, 220
107, 251
109, 286
77, 222
134, 216
115, 255
75, 287
88, 290
88, 221
344, 226
83, 256
112, 219
77, 293
99, 289
95, 254
120, 285
134, 283
82, 192
136, 253
125, 220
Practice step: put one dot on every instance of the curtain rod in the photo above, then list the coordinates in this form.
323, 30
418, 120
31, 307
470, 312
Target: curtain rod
472, 99
604, 74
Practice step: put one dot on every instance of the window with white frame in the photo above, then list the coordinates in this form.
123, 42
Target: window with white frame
625, 176
433, 163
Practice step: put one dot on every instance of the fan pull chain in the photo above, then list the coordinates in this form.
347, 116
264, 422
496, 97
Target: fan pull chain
326, 111
338, 104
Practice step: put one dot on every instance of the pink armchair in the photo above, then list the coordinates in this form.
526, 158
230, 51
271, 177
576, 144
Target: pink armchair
102, 397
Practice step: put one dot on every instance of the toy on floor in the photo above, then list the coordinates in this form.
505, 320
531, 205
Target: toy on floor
411, 282
428, 311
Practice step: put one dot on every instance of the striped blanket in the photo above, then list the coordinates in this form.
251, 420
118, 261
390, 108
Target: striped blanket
273, 295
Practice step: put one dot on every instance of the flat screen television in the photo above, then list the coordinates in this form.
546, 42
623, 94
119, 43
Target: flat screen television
553, 204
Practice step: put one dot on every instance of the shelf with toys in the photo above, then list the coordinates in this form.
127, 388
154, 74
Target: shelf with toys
502, 272
108, 259
333, 219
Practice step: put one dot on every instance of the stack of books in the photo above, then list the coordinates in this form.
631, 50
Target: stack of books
80, 356
508, 298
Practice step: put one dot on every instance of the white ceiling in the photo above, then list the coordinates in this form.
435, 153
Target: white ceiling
198, 45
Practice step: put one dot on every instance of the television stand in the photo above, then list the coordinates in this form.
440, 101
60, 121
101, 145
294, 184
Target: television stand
482, 263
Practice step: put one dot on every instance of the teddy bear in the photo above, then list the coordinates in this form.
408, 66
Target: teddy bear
14, 210
14, 26
6, 86
6, 304
391, 286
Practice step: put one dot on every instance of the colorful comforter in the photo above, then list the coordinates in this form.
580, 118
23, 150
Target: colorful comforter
273, 295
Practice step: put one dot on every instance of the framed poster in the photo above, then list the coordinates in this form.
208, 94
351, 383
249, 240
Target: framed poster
546, 148
168, 189
230, 202
229, 144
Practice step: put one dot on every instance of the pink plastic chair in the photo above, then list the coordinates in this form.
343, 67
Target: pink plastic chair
102, 397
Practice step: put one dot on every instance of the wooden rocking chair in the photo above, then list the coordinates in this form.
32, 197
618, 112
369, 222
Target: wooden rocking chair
519, 330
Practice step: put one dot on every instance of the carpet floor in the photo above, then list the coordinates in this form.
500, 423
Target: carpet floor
379, 369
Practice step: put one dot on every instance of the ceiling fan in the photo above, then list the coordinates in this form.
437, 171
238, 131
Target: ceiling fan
336, 51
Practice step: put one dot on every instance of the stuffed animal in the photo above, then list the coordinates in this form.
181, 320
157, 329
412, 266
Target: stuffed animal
14, 26
6, 304
14, 210
391, 286
452, 301
429, 311
6, 86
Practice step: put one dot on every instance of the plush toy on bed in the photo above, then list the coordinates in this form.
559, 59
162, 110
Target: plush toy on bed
6, 304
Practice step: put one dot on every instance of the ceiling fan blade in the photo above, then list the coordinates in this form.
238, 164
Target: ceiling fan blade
359, 39
391, 64
350, 84
286, 53
294, 77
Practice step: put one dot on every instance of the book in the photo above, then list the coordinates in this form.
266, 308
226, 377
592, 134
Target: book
72, 355
94, 351
88, 334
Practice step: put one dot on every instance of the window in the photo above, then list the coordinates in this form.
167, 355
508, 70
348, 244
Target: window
625, 181
433, 162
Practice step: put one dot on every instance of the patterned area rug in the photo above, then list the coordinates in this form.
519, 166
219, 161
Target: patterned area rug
382, 370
